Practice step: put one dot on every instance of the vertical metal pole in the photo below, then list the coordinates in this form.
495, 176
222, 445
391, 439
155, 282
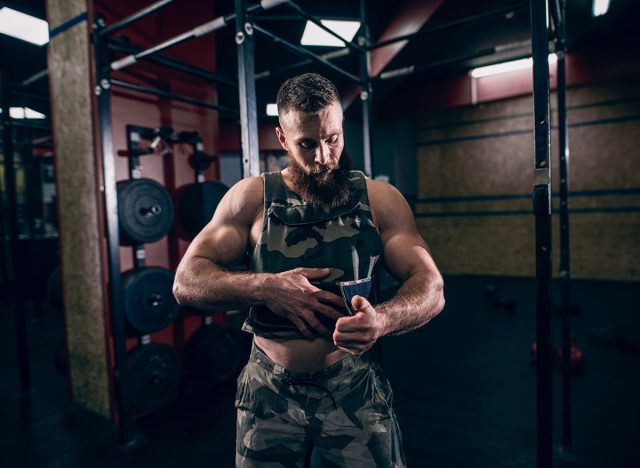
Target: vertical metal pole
20, 312
102, 89
565, 265
366, 92
31, 198
247, 89
542, 212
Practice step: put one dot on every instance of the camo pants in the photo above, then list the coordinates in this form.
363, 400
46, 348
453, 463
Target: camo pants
339, 416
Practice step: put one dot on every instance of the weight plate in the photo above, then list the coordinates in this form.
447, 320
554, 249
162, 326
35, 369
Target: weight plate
148, 302
154, 374
197, 204
145, 211
216, 353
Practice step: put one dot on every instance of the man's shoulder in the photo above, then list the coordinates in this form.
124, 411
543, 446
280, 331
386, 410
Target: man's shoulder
249, 187
246, 196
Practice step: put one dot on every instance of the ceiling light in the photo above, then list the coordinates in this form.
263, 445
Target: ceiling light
316, 36
25, 113
600, 7
505, 67
272, 109
22, 26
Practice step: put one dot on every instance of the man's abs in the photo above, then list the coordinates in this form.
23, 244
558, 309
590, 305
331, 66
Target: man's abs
301, 355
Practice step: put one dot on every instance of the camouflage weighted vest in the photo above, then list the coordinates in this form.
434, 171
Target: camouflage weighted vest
296, 234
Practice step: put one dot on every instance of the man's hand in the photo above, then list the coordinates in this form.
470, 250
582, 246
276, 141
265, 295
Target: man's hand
296, 299
358, 333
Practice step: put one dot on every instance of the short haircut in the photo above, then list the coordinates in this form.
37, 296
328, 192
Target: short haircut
307, 93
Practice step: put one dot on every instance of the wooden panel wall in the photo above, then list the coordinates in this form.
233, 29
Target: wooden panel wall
471, 161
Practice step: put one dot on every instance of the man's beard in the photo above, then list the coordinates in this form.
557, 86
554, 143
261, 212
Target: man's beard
320, 185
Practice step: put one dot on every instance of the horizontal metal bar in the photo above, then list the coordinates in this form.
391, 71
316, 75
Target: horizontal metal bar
437, 63
304, 52
398, 72
210, 26
172, 96
175, 64
205, 28
328, 56
35, 77
451, 24
135, 17
28, 123
318, 23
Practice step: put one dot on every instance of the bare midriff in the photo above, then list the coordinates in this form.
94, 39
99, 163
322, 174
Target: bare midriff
301, 355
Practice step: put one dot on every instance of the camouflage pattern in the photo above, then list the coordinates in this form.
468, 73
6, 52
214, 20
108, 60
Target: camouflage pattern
337, 417
296, 234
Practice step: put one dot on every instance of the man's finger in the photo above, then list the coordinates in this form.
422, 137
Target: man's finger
316, 324
313, 273
358, 321
301, 325
330, 298
359, 303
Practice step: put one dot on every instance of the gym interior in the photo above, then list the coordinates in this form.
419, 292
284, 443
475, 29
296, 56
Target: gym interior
511, 129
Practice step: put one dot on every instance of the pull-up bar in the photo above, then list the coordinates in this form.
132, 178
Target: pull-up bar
206, 28
172, 96
135, 17
174, 64
398, 72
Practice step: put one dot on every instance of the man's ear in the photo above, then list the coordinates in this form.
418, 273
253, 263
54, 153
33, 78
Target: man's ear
281, 138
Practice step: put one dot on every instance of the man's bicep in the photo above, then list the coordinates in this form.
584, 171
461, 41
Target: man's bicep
405, 254
223, 244
405, 250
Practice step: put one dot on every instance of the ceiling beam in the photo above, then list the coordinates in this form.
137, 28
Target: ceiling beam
410, 19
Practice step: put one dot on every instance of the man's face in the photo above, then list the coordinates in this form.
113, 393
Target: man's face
314, 141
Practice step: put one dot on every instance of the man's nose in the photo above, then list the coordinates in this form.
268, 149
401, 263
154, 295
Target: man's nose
323, 154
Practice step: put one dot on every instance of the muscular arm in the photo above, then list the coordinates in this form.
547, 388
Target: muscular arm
419, 299
204, 282
201, 279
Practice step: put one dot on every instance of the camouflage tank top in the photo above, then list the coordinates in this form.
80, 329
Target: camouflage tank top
297, 234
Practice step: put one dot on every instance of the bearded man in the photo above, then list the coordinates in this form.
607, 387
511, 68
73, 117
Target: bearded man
310, 390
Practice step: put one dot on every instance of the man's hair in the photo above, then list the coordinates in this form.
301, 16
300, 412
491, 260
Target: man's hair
307, 93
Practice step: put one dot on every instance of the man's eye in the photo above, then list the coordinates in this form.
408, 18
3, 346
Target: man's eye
333, 140
306, 145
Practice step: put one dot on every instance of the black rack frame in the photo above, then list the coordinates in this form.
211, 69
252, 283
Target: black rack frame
558, 14
542, 213
245, 35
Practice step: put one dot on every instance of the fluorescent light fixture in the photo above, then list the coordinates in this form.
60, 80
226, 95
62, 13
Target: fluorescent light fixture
600, 7
272, 109
505, 67
22, 26
315, 36
25, 113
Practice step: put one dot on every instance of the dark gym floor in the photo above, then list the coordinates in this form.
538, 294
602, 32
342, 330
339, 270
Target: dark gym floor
464, 392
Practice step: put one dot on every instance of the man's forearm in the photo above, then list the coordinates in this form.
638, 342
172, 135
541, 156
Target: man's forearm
204, 285
418, 300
